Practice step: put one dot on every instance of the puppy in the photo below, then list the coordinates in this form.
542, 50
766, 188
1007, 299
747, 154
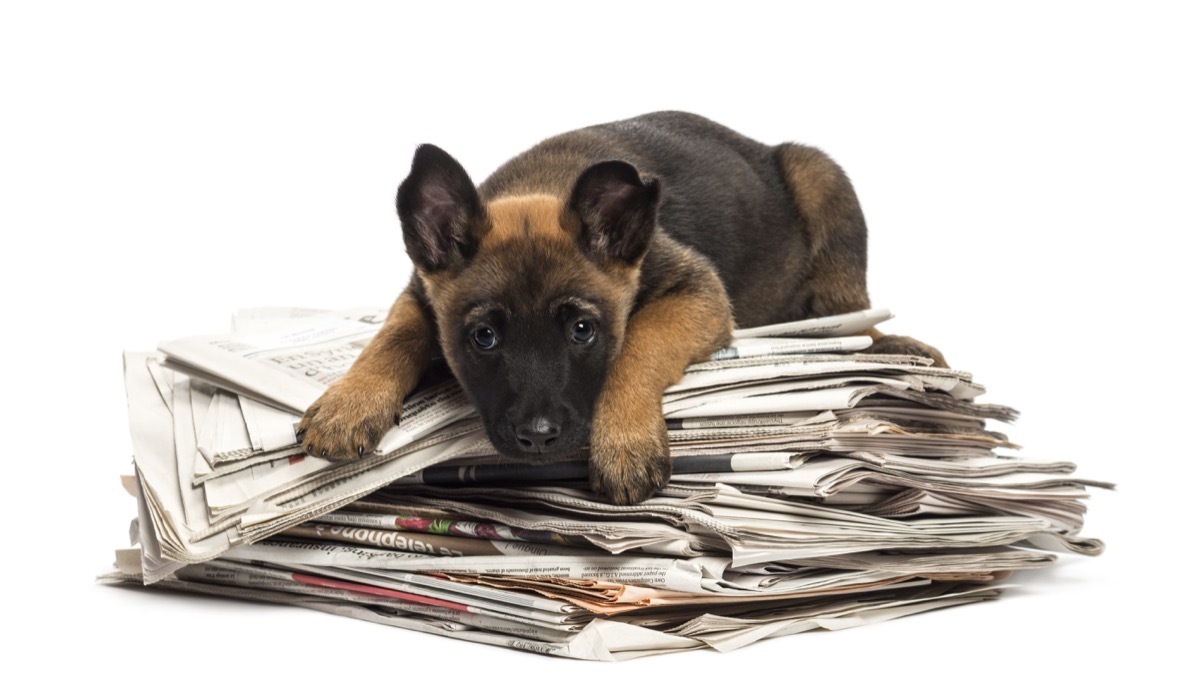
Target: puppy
580, 279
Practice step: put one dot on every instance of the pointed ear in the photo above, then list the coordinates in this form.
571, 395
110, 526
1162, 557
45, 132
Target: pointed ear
617, 210
440, 212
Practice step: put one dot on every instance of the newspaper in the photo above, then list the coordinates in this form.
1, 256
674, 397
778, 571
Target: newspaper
287, 367
813, 487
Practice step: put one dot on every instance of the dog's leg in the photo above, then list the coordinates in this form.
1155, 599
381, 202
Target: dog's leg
630, 459
350, 418
834, 278
835, 281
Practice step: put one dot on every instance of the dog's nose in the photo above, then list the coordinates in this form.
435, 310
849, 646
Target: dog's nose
536, 435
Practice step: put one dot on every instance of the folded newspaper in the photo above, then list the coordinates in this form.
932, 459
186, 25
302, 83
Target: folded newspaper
814, 487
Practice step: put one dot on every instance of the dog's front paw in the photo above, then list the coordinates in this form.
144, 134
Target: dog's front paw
904, 345
350, 418
630, 459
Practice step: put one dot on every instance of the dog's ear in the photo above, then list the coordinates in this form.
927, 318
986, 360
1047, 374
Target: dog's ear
617, 211
440, 212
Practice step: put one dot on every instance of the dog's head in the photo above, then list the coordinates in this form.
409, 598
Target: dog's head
530, 293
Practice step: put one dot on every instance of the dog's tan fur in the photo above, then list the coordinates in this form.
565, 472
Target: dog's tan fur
535, 215
351, 417
629, 427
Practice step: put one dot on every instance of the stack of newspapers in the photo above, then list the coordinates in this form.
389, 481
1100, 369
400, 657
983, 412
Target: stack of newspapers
814, 487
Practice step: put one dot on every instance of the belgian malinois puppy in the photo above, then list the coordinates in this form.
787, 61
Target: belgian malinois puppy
580, 279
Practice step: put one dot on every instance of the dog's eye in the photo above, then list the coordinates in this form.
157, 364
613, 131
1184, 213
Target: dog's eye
582, 333
484, 338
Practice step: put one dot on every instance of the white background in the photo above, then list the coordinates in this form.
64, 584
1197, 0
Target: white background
1028, 174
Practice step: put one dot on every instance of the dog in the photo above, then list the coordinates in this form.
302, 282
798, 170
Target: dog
577, 282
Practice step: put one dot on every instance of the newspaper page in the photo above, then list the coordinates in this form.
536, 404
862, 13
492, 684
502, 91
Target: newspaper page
814, 487
598, 639
288, 367
823, 327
